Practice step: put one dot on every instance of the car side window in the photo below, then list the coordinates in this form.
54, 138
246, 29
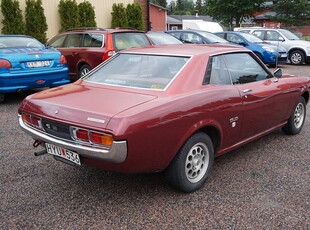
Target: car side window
234, 38
58, 42
92, 40
273, 36
243, 68
74, 40
260, 34
217, 73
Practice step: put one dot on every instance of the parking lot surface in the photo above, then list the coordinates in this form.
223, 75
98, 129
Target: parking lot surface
262, 185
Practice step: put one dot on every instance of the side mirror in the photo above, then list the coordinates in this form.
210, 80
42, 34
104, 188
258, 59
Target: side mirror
242, 44
281, 39
277, 73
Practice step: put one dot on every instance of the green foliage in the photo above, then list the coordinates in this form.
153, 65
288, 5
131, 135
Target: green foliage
230, 12
134, 16
12, 17
119, 17
292, 12
36, 25
87, 14
184, 7
162, 3
69, 14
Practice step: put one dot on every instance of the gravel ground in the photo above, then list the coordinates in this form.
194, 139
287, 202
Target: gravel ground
263, 185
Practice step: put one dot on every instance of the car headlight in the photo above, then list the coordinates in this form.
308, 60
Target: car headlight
268, 49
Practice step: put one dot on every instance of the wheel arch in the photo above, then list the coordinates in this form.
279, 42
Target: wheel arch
305, 95
296, 49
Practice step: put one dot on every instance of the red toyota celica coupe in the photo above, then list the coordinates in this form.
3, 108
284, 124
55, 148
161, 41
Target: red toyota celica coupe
172, 108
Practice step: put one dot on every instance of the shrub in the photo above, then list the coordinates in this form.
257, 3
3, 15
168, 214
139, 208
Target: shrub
134, 16
36, 25
87, 14
69, 14
119, 17
12, 17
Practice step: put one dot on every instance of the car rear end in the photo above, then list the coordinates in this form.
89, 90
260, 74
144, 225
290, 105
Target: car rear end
23, 68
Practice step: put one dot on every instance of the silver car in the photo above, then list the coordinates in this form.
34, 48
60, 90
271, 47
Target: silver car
298, 49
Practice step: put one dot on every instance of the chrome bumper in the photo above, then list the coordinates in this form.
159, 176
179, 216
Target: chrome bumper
116, 154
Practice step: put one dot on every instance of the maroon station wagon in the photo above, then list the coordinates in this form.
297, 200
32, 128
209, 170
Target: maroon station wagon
171, 108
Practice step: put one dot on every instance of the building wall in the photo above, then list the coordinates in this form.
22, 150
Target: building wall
103, 9
157, 19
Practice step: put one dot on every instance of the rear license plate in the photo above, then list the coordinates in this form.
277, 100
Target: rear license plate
37, 64
64, 153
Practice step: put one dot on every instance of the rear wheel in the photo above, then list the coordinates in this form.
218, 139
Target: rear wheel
297, 119
84, 70
1, 97
192, 165
297, 57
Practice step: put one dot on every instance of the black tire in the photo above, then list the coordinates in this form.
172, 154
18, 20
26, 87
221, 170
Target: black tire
83, 70
192, 165
2, 97
297, 119
297, 57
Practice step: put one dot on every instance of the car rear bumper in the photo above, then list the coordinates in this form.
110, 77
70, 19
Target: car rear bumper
10, 82
117, 154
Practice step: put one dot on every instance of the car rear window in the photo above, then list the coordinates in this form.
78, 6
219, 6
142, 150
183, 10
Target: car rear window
15, 42
145, 71
129, 40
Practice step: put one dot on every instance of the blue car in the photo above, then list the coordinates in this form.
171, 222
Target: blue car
268, 53
25, 64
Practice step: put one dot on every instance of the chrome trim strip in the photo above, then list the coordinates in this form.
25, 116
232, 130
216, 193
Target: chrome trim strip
117, 154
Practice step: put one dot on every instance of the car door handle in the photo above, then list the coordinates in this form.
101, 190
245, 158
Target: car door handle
247, 90
275, 80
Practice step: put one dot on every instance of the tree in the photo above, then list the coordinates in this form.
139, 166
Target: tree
232, 12
69, 14
87, 14
292, 12
162, 3
12, 17
134, 16
119, 17
36, 25
184, 7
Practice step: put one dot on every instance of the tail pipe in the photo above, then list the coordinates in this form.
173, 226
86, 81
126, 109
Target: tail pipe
36, 143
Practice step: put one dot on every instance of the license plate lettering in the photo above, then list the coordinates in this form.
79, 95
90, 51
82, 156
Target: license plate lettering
64, 153
37, 64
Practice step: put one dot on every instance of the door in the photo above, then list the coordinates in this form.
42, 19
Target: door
265, 98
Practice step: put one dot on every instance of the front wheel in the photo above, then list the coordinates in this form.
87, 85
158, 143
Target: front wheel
83, 70
192, 165
297, 119
297, 57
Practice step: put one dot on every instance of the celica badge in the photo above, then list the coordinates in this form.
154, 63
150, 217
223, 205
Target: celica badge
95, 120
233, 121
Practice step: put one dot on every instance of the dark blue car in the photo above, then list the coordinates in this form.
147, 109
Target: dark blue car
268, 53
25, 63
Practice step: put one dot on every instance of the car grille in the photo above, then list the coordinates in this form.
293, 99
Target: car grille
56, 129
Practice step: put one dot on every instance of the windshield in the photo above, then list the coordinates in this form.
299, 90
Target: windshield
17, 42
129, 40
212, 37
289, 35
139, 71
252, 38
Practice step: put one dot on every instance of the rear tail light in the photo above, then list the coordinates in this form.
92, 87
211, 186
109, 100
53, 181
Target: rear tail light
32, 120
91, 137
110, 51
5, 64
63, 60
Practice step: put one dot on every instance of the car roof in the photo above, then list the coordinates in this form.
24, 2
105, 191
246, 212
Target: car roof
98, 29
187, 49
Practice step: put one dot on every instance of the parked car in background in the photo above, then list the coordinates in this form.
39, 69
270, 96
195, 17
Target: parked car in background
25, 64
196, 37
268, 53
169, 107
162, 38
85, 48
298, 50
